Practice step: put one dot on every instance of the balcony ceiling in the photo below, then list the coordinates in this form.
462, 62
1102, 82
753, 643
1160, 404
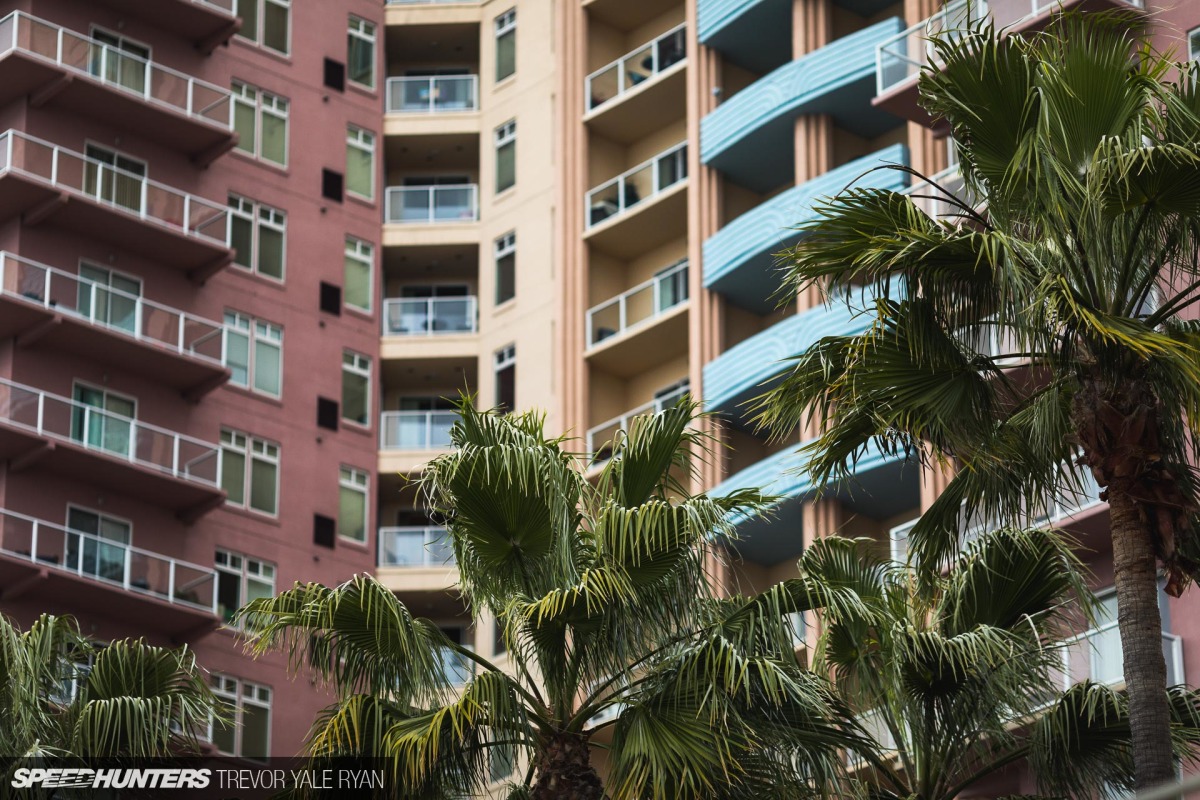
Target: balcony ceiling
430, 153
625, 15
421, 46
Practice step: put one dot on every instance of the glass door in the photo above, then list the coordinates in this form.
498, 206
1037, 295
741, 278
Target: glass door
117, 309
120, 61
103, 420
114, 178
97, 544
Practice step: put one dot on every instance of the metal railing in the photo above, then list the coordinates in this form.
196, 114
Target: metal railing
109, 308
1096, 655
903, 56
604, 434
224, 6
91, 557
429, 316
640, 304
613, 80
121, 190
933, 201
120, 70
415, 547
122, 437
416, 430
615, 197
431, 204
437, 94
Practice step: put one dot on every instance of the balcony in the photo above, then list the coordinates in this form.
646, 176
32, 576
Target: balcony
755, 34
39, 180
430, 316
640, 92
640, 208
751, 137
415, 548
84, 75
448, 94
79, 441
408, 439
740, 259
59, 565
41, 304
447, 214
205, 23
933, 201
1096, 655
642, 326
601, 438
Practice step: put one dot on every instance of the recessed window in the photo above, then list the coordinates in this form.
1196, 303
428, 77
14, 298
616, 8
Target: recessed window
98, 544
109, 298
115, 178
248, 733
506, 44
360, 162
241, 579
250, 472
261, 121
352, 504
254, 353
506, 267
266, 22
103, 420
360, 257
360, 52
120, 61
258, 233
356, 387
506, 378
506, 156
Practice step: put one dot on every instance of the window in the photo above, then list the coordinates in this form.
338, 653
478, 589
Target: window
506, 378
502, 760
352, 504
108, 298
97, 544
1194, 44
266, 22
360, 52
103, 420
114, 178
506, 267
506, 156
360, 162
250, 472
259, 234
241, 579
119, 60
506, 44
249, 733
261, 121
356, 387
360, 256
254, 353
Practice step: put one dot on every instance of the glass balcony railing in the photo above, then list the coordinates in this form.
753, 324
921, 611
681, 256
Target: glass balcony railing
903, 56
109, 562
112, 434
935, 202
603, 435
614, 80
639, 305
415, 547
427, 205
225, 6
1096, 655
117, 69
110, 308
432, 95
637, 185
416, 430
429, 316
116, 188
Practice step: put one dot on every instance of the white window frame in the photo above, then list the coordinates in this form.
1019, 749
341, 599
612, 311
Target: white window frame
245, 568
503, 247
357, 364
365, 30
262, 18
359, 481
504, 24
263, 103
255, 330
1193, 39
362, 251
237, 692
503, 136
252, 448
260, 215
361, 139
502, 359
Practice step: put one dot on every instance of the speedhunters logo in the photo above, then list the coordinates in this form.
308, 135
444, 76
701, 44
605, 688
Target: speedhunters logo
82, 778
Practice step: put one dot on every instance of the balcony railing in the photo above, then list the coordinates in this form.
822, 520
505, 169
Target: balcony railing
1096, 655
125, 72
432, 95
108, 562
415, 547
935, 202
148, 446
604, 434
638, 305
426, 205
637, 185
225, 6
124, 191
110, 308
611, 81
903, 56
416, 430
429, 316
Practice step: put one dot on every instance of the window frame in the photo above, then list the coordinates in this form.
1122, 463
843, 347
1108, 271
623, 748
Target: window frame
235, 697
275, 219
354, 367
502, 247
505, 24
371, 39
1193, 44
349, 479
261, 16
243, 574
505, 135
253, 335
364, 253
253, 448
503, 359
263, 102
359, 138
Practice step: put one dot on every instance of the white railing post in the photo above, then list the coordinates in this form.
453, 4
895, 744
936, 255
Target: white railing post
175, 455
171, 582
179, 348
33, 544
41, 413
128, 565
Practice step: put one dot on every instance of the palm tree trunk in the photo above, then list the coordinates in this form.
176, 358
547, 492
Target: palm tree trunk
565, 772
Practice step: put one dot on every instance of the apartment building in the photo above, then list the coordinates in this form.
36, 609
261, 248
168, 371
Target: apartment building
190, 195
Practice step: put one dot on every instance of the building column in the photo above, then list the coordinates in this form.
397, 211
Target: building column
811, 30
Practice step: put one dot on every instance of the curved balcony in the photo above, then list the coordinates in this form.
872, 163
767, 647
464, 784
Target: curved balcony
641, 326
205, 23
640, 92
39, 180
601, 437
162, 467
41, 304
739, 259
51, 562
640, 208
756, 34
750, 137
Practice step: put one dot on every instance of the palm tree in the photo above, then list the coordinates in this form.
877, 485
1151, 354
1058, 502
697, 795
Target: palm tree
617, 647
1074, 248
957, 680
61, 696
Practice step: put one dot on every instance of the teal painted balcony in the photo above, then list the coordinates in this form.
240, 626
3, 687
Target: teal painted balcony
750, 137
739, 259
